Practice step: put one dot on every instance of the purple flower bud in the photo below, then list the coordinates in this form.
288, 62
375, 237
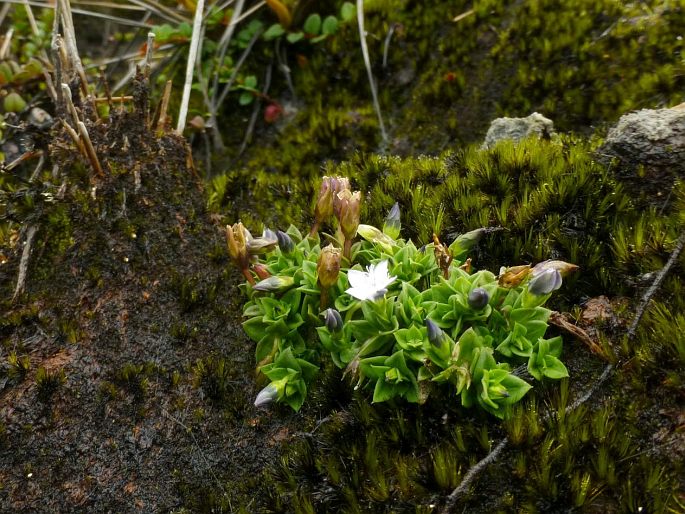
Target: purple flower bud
274, 284
564, 268
392, 224
333, 320
266, 396
285, 243
545, 282
259, 245
435, 333
478, 298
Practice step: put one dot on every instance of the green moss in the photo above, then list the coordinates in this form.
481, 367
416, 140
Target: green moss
17, 367
48, 382
551, 200
192, 291
135, 378
583, 64
218, 378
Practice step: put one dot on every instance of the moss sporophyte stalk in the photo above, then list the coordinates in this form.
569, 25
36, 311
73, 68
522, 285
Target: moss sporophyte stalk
402, 320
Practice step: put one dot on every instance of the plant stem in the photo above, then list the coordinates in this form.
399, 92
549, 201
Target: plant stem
347, 249
324, 299
314, 230
248, 276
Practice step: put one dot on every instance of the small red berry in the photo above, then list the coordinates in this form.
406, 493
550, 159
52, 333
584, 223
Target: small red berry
272, 112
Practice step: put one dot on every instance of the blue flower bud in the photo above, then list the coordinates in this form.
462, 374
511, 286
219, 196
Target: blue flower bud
435, 333
264, 244
332, 320
285, 243
266, 396
478, 298
392, 224
545, 282
274, 284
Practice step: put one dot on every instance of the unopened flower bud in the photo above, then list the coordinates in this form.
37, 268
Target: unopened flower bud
465, 242
545, 282
511, 277
333, 320
328, 266
373, 235
261, 270
347, 209
274, 284
285, 243
392, 224
266, 243
236, 239
435, 333
324, 203
266, 396
478, 298
330, 186
564, 268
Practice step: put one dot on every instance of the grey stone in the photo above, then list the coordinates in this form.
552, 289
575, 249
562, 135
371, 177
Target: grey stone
517, 129
650, 141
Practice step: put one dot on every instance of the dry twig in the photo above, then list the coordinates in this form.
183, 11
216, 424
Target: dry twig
69, 34
162, 121
90, 149
24, 262
255, 110
559, 321
194, 50
680, 243
367, 63
148, 53
463, 15
4, 48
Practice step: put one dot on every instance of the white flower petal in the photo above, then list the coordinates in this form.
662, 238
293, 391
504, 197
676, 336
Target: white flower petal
361, 293
358, 278
372, 284
380, 269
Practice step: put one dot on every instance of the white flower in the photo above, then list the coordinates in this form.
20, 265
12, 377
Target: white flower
371, 284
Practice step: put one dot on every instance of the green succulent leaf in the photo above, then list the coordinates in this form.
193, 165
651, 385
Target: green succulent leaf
274, 31
294, 37
245, 98
348, 11
412, 340
429, 331
544, 360
312, 25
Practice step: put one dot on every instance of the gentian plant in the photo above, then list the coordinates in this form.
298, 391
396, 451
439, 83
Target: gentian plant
401, 320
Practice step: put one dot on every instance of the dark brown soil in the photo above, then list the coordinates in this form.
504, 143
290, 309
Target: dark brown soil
140, 294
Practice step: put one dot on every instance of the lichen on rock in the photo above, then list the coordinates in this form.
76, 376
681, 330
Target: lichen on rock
516, 129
